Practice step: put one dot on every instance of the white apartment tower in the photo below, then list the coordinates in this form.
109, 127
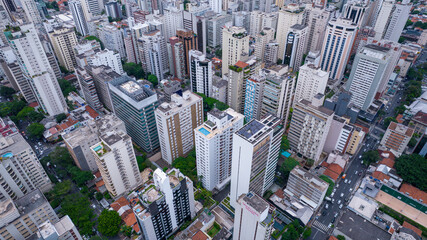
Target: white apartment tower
261, 41
172, 21
63, 41
35, 66
238, 44
253, 218
295, 46
214, 147
337, 45
288, 16
311, 81
397, 21
200, 73
216, 5
78, 17
175, 124
31, 11
153, 53
116, 162
255, 153
112, 38
384, 14
317, 20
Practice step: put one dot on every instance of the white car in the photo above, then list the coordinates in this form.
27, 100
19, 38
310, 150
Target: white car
349, 181
345, 181
339, 202
326, 206
342, 195
350, 190
356, 172
340, 206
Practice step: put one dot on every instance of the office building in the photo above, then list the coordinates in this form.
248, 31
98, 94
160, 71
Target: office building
254, 158
36, 68
214, 147
238, 44
397, 137
288, 16
99, 77
295, 46
112, 38
261, 41
153, 53
176, 58
20, 218
254, 96
165, 204
355, 11
397, 21
366, 74
79, 141
317, 20
253, 218
309, 127
215, 29
31, 11
189, 41
78, 17
336, 48
176, 121
116, 161
311, 81
306, 186
134, 104
200, 73
63, 40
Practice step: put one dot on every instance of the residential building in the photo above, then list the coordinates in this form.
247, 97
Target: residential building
336, 48
99, 77
113, 10
397, 21
134, 104
340, 104
419, 121
216, 5
172, 21
271, 53
165, 204
382, 20
306, 186
238, 44
64, 229
189, 41
63, 40
176, 58
366, 74
36, 68
88, 88
112, 38
200, 73
116, 162
214, 29
309, 127
176, 121
213, 141
355, 11
20, 218
295, 46
79, 141
254, 159
254, 96
31, 11
397, 137
78, 17
317, 20
261, 40
288, 16
153, 53
14, 74
90, 53
355, 140
219, 89
253, 218
170, 88
311, 81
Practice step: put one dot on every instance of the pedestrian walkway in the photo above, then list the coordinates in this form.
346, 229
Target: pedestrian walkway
321, 226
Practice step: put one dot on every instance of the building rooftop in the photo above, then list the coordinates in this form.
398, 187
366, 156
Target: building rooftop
8, 212
256, 202
131, 88
30, 202
216, 122
400, 128
178, 102
251, 129
314, 180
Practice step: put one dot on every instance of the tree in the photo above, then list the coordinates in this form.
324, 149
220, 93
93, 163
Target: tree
153, 79
287, 167
401, 39
77, 207
109, 223
218, 53
370, 157
341, 237
330, 182
284, 145
90, 38
60, 157
6, 92
99, 196
307, 233
412, 142
133, 69
412, 169
24, 113
187, 165
80, 177
60, 117
408, 23
126, 230
66, 87
388, 120
400, 109
35, 130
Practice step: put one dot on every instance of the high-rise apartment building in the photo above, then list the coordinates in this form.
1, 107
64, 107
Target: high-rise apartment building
253, 218
134, 104
295, 46
214, 147
78, 17
36, 68
172, 21
189, 41
64, 229
311, 81
271, 53
336, 48
112, 38
88, 88
366, 74
99, 77
384, 14
116, 161
317, 20
200, 73
79, 141
306, 186
238, 44
355, 10
14, 74
176, 121
31, 11
153, 53
253, 97
63, 40
397, 20
261, 40
89, 53
255, 153
309, 127
165, 204
214, 27
216, 5
397, 137
288, 16
176, 58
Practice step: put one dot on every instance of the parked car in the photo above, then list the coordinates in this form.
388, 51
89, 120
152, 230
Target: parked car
340, 206
342, 195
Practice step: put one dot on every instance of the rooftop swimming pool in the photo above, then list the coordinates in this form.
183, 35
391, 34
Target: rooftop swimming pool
7, 155
204, 131
286, 154
97, 148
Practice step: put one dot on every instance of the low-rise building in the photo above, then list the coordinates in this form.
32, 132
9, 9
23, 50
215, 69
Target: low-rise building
397, 137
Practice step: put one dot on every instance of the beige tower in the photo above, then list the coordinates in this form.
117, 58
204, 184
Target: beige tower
238, 44
63, 40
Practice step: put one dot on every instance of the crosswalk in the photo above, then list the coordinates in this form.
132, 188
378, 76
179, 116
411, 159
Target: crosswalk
321, 226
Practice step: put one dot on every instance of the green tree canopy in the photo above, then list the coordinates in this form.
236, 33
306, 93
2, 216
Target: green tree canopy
370, 157
80, 177
60, 117
109, 223
133, 69
24, 113
412, 169
341, 237
307, 233
66, 87
153, 79
90, 38
284, 145
77, 207
35, 130
388, 120
11, 108
6, 91
187, 165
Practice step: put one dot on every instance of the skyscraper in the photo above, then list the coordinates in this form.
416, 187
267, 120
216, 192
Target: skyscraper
116, 162
214, 147
382, 20
176, 58
336, 48
397, 20
317, 20
261, 41
36, 68
255, 154
216, 5
31, 11
295, 46
88, 88
366, 74
311, 81
189, 41
153, 53
134, 104
63, 41
112, 38
175, 123
253, 96
78, 17
200, 73
238, 44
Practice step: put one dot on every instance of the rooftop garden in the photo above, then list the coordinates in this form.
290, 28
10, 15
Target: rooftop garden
235, 68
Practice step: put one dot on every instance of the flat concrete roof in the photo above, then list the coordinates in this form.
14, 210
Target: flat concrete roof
356, 227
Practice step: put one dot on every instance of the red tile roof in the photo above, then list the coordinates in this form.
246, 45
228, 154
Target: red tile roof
333, 171
331, 174
399, 118
33, 104
413, 228
200, 236
420, 117
388, 162
280, 193
332, 238
241, 64
92, 113
121, 202
380, 176
97, 174
414, 192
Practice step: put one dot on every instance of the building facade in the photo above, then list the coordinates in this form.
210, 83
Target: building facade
200, 73
311, 81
